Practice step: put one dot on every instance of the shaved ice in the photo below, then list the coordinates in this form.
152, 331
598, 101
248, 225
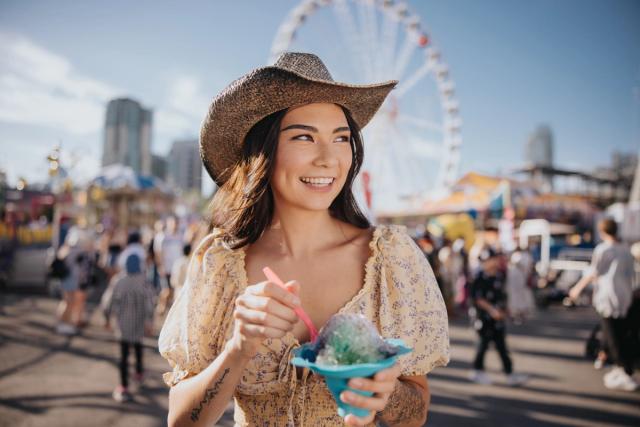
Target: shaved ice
349, 339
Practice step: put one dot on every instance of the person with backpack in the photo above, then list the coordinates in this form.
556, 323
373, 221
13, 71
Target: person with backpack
612, 272
131, 303
59, 271
73, 274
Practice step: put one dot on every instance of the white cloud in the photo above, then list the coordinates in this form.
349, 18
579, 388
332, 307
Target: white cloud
183, 108
185, 95
41, 87
44, 99
29, 149
170, 123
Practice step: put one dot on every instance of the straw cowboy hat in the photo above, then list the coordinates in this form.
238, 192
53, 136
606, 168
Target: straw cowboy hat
295, 79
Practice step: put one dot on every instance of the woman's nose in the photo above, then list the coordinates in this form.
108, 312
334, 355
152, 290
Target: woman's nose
325, 155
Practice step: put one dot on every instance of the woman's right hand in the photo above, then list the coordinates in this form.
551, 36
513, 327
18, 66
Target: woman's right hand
264, 310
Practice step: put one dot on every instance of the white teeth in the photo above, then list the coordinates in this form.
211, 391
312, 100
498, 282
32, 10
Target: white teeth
317, 181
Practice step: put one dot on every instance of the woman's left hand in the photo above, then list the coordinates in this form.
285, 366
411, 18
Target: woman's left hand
382, 385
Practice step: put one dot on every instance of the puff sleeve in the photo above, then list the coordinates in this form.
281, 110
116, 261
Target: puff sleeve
200, 321
411, 305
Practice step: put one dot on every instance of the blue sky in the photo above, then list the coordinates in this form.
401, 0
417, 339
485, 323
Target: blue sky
572, 64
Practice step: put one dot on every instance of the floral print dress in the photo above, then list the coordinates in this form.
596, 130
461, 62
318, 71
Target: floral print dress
399, 295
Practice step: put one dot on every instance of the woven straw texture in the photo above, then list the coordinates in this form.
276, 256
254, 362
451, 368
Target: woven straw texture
295, 79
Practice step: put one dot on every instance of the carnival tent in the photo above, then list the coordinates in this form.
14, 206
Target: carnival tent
115, 177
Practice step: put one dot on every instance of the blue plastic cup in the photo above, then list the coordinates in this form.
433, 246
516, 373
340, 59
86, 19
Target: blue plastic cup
337, 376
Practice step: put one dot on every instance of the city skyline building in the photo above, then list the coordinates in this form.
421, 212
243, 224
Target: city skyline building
539, 149
634, 196
159, 166
127, 135
539, 155
185, 165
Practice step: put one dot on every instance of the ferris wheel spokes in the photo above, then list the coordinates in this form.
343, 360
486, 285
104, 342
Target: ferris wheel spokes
411, 81
367, 20
389, 40
348, 28
420, 122
393, 162
406, 169
428, 149
376, 158
405, 55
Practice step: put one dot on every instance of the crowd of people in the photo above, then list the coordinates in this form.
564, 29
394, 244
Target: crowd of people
133, 277
455, 269
488, 285
137, 279
494, 287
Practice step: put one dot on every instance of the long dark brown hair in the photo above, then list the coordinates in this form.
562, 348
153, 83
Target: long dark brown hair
243, 207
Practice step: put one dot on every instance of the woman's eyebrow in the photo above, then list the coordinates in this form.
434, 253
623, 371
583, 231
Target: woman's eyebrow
313, 129
303, 127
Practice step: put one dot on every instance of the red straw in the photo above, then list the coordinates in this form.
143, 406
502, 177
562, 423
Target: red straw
273, 277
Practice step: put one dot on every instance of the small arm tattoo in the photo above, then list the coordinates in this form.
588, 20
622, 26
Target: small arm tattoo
405, 405
208, 396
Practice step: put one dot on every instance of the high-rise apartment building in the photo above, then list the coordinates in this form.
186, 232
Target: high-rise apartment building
159, 167
185, 166
539, 151
539, 156
127, 137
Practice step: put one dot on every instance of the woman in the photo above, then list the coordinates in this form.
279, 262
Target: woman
612, 272
69, 285
71, 309
520, 303
284, 146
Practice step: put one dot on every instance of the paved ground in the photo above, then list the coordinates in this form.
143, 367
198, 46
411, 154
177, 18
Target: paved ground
28, 267
49, 380
564, 389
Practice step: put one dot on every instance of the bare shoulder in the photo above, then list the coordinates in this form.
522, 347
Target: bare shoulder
357, 236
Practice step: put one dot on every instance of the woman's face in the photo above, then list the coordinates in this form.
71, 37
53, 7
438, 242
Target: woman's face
313, 157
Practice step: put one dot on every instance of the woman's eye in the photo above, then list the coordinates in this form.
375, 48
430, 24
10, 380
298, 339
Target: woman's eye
303, 137
343, 138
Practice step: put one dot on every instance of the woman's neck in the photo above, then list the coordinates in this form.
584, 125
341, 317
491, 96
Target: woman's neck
300, 234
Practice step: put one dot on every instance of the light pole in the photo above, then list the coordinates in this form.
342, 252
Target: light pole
54, 172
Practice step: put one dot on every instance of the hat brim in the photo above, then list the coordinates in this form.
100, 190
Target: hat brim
265, 91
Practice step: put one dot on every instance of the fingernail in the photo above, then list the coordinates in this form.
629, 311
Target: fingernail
356, 383
345, 397
296, 301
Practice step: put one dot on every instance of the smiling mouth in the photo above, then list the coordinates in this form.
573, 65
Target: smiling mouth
318, 182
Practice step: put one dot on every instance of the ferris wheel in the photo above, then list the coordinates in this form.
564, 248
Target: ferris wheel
412, 146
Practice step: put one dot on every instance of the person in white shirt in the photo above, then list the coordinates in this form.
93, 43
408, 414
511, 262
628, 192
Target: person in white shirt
131, 304
179, 270
520, 302
134, 247
612, 272
170, 245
